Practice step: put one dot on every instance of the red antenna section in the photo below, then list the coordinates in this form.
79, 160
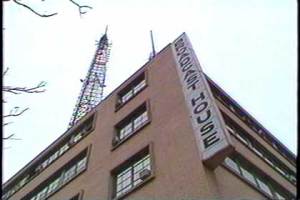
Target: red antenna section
91, 93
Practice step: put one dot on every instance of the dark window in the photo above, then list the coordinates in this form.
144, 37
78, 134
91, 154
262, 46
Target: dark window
238, 132
79, 133
248, 120
60, 178
131, 124
76, 197
256, 178
136, 86
132, 173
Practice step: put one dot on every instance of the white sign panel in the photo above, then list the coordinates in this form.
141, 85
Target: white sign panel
213, 141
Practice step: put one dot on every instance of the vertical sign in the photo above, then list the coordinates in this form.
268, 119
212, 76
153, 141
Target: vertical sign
213, 141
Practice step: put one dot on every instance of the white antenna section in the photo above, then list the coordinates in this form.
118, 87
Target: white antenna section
153, 53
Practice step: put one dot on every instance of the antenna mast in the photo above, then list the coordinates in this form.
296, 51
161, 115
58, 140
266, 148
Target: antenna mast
91, 93
152, 54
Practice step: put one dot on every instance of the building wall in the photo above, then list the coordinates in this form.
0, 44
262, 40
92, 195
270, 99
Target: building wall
170, 132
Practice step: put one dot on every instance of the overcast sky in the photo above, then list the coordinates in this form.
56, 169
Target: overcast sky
249, 48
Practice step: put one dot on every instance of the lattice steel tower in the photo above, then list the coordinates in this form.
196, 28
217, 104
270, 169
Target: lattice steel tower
91, 93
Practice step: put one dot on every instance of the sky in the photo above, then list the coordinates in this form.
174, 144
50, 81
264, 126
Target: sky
249, 48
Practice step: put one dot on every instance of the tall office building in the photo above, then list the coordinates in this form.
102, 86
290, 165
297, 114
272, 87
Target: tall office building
167, 132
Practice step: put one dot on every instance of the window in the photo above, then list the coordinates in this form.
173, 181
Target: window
256, 178
73, 138
81, 165
23, 181
264, 186
77, 137
69, 174
132, 173
140, 120
139, 167
126, 130
228, 102
126, 96
241, 138
279, 197
248, 175
230, 163
53, 157
42, 194
53, 186
259, 150
131, 124
76, 197
131, 90
45, 163
63, 149
230, 129
64, 175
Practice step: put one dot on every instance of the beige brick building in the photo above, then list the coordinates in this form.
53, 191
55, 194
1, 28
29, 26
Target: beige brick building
167, 132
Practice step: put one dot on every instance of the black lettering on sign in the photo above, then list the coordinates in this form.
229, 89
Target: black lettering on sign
184, 59
201, 111
184, 63
181, 50
200, 107
193, 85
186, 67
179, 44
189, 73
200, 97
210, 140
202, 120
206, 128
191, 80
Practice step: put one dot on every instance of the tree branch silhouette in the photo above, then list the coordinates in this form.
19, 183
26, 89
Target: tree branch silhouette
16, 111
28, 7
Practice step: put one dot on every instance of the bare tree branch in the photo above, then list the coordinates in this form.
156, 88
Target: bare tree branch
19, 90
39, 87
32, 10
15, 112
4, 124
80, 7
11, 137
5, 71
